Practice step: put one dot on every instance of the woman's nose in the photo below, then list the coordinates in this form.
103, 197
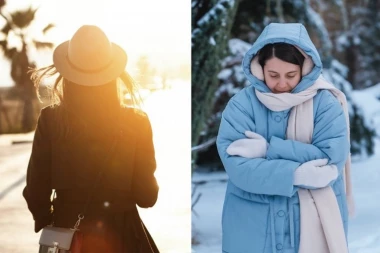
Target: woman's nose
282, 82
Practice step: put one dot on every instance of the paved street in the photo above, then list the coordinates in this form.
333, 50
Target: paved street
169, 221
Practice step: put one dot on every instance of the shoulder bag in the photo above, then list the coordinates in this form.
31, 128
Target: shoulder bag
68, 240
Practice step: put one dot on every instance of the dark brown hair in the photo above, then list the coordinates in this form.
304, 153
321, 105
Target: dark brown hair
85, 106
62, 86
284, 51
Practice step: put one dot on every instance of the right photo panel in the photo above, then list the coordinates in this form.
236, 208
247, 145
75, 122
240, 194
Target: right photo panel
285, 126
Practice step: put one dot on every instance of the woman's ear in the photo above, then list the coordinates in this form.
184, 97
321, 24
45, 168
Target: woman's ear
256, 69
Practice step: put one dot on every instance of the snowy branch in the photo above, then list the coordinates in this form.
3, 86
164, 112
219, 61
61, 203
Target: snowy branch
215, 11
204, 145
343, 11
315, 19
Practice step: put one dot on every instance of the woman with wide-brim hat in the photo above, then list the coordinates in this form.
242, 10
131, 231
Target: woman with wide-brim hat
73, 137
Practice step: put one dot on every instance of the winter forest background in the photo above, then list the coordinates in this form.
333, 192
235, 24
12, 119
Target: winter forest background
347, 35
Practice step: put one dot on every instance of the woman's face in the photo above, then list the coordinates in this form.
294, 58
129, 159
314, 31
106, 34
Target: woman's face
281, 76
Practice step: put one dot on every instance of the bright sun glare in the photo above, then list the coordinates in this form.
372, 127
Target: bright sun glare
159, 30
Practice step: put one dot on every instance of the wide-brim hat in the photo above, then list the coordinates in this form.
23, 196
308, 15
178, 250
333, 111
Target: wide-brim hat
89, 58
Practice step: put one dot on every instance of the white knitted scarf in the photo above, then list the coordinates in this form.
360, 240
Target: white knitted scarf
322, 230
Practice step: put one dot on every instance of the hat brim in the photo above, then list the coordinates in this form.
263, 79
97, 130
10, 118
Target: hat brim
89, 78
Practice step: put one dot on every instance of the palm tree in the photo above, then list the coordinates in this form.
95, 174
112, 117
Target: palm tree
16, 25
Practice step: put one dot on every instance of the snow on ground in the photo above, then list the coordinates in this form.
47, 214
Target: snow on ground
369, 101
206, 221
364, 228
169, 112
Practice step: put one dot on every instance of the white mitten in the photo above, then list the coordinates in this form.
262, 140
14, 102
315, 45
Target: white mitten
315, 173
254, 147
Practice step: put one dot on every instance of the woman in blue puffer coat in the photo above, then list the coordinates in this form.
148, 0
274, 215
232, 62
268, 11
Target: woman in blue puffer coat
270, 164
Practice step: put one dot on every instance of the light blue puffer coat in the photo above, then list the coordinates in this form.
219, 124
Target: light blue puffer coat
261, 212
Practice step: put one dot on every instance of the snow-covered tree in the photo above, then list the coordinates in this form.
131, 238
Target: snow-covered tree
251, 18
364, 40
211, 25
362, 129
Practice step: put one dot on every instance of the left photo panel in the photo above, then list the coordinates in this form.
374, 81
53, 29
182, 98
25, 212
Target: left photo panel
95, 116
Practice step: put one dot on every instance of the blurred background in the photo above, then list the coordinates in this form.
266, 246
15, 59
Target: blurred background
157, 47
347, 35
157, 38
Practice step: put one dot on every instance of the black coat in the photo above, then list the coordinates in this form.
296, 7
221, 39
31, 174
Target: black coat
68, 154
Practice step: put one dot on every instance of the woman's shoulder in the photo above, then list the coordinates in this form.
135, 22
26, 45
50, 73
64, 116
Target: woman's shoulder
134, 113
135, 118
325, 98
244, 95
245, 98
326, 102
49, 111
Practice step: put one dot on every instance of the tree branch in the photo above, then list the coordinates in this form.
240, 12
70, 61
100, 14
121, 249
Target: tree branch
204, 145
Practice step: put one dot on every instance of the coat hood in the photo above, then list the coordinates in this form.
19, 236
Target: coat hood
291, 33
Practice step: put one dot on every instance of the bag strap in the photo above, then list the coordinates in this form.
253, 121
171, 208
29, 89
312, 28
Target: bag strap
91, 193
146, 236
100, 174
116, 136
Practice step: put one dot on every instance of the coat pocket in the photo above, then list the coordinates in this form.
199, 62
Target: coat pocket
244, 224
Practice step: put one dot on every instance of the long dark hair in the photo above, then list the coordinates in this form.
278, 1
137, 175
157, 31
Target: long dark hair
86, 105
63, 86
284, 51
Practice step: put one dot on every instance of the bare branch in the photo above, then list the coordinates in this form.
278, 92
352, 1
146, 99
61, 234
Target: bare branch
204, 145
47, 28
42, 44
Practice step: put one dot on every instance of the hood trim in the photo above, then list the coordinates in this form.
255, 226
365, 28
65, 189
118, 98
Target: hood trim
291, 33
258, 72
